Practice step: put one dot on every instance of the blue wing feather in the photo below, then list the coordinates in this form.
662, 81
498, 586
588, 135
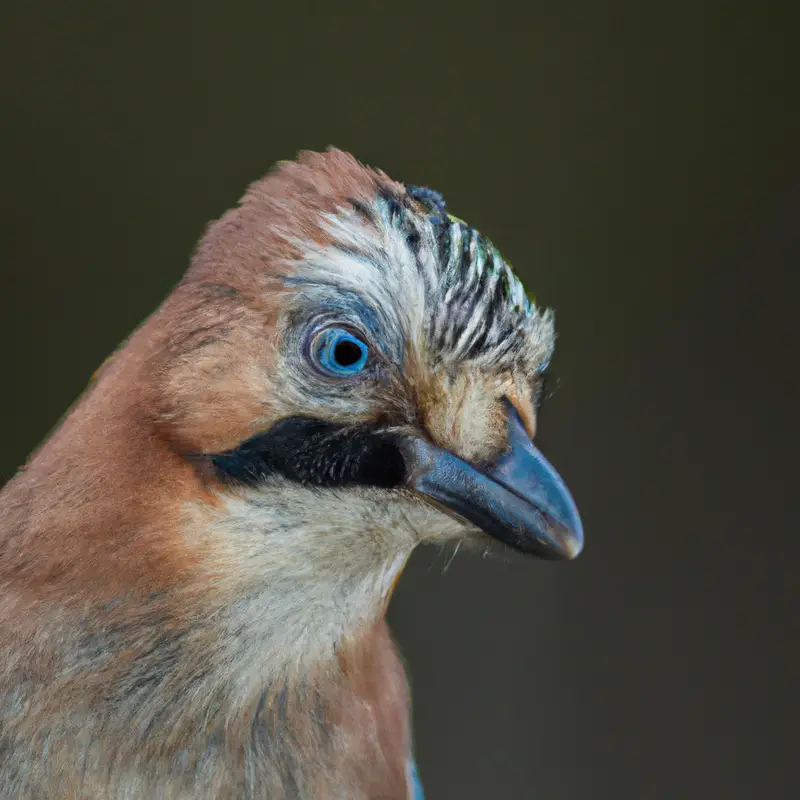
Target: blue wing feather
416, 785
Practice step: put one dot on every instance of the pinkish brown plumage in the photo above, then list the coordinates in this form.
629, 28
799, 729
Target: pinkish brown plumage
195, 566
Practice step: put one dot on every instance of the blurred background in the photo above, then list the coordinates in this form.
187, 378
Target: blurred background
638, 164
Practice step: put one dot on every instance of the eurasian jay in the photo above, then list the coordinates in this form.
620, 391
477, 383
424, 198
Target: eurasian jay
196, 565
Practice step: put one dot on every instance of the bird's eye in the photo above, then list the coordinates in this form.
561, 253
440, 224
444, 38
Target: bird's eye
339, 353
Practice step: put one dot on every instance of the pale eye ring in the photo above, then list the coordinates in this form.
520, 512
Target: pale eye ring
339, 353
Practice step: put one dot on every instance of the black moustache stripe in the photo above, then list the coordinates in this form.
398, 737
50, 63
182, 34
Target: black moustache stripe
315, 453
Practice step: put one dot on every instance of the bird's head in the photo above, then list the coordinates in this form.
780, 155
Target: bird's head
196, 563
357, 372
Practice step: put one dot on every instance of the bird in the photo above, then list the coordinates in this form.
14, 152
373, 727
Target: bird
195, 566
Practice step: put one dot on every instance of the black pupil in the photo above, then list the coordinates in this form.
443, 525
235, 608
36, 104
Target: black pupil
346, 353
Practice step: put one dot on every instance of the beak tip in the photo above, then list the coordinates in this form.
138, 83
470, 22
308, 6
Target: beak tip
572, 538
563, 546
574, 547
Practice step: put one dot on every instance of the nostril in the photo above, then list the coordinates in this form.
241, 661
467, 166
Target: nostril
524, 408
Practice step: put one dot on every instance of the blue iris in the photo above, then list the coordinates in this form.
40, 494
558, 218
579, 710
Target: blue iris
340, 353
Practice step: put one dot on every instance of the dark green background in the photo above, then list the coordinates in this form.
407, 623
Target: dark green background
637, 162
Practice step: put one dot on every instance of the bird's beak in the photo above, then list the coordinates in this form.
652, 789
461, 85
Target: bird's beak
519, 499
